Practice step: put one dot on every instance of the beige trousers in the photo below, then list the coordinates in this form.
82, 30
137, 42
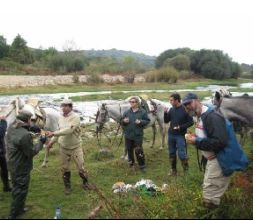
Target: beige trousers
215, 183
75, 154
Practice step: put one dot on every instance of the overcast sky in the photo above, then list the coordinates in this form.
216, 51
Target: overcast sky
147, 26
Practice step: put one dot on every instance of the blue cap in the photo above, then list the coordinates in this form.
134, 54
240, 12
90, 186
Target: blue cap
189, 98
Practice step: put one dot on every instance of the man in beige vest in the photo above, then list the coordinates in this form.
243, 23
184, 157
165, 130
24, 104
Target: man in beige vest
69, 138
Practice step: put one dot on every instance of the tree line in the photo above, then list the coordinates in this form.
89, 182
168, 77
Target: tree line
214, 64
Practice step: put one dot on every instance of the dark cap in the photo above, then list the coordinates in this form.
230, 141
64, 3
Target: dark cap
24, 116
189, 98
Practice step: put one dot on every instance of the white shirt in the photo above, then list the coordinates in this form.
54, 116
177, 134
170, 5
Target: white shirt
200, 132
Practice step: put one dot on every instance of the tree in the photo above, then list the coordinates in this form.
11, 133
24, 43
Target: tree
214, 64
19, 51
172, 53
179, 62
4, 48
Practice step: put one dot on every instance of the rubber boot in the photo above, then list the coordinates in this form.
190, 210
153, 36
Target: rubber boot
185, 165
173, 161
86, 185
67, 184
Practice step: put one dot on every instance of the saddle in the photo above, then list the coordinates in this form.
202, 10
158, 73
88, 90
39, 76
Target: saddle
148, 104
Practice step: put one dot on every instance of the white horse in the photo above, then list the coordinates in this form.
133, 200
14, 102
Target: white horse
116, 110
45, 118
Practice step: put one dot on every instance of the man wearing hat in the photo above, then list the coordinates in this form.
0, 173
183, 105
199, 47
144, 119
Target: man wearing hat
69, 138
21, 151
211, 137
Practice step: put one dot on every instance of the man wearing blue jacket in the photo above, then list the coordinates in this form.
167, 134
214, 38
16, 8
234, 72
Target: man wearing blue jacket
3, 163
210, 137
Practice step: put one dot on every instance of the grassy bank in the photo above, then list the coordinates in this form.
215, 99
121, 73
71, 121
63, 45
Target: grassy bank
182, 84
183, 199
121, 96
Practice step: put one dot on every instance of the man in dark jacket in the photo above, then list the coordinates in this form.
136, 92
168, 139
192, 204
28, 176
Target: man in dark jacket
134, 122
21, 151
3, 163
211, 137
180, 121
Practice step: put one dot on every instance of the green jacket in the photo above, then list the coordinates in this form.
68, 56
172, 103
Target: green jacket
21, 149
132, 130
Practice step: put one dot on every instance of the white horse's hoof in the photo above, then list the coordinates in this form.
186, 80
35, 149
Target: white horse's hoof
44, 165
161, 148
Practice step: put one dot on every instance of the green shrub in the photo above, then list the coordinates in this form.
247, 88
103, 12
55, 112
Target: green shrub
168, 75
95, 79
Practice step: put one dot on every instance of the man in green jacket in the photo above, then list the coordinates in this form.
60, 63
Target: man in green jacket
21, 151
134, 122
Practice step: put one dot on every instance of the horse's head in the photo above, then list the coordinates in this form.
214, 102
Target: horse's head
101, 117
219, 95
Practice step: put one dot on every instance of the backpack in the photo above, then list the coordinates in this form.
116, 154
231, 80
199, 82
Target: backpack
232, 158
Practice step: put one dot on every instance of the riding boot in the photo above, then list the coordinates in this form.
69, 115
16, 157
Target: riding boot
67, 184
173, 161
185, 165
86, 185
7, 187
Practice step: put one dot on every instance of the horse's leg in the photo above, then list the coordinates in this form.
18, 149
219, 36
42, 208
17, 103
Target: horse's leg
45, 162
154, 134
163, 132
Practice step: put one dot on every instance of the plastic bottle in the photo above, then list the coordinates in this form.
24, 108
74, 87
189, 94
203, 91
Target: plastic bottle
57, 213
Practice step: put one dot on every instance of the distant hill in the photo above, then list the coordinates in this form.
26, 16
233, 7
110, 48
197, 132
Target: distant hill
147, 60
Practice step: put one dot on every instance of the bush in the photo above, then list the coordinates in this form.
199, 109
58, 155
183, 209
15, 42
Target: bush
130, 78
185, 74
168, 75
180, 62
8, 64
76, 79
95, 79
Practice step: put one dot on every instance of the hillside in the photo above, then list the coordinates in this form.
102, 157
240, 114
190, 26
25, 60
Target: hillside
147, 60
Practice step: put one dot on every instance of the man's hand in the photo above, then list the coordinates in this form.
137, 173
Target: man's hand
176, 128
126, 120
191, 139
49, 145
2, 118
49, 134
138, 121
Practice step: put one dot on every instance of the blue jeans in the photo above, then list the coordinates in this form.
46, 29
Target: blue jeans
177, 143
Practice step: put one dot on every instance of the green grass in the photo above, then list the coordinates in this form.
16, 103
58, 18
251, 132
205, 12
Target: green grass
186, 84
120, 96
183, 199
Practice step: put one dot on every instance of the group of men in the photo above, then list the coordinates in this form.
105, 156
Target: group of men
210, 138
21, 150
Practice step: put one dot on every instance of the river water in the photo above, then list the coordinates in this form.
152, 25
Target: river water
89, 109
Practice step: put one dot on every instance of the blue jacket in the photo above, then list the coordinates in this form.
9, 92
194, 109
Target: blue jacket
178, 117
3, 127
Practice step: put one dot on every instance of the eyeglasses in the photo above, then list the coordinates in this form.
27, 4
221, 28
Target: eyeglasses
132, 102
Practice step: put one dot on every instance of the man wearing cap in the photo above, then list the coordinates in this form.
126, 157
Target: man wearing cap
21, 151
3, 163
69, 138
211, 137
180, 121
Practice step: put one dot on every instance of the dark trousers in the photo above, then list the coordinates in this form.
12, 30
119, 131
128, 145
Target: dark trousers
4, 170
20, 184
135, 147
